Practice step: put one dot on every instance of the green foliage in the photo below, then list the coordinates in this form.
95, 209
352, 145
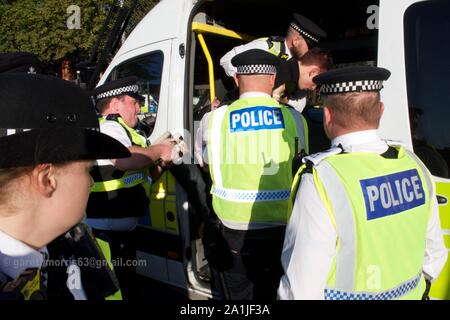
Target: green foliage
39, 26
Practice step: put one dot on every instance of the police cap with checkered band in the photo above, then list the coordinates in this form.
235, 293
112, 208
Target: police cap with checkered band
125, 86
49, 120
308, 29
255, 61
352, 79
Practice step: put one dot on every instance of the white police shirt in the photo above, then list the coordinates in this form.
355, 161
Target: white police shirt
310, 241
225, 61
201, 140
115, 130
16, 257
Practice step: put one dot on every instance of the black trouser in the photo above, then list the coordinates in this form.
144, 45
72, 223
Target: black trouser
123, 255
246, 265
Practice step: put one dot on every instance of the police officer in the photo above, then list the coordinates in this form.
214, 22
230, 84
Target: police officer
120, 195
19, 62
294, 75
47, 152
251, 147
364, 222
302, 35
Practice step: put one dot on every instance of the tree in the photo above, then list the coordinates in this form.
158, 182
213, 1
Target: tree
40, 27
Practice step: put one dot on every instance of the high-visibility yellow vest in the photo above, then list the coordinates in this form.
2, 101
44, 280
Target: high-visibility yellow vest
251, 146
115, 193
104, 247
277, 47
380, 208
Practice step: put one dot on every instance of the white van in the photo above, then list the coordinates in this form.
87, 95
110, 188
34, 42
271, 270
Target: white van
175, 52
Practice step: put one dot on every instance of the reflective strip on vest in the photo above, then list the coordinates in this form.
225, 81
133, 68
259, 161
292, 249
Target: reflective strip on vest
128, 181
428, 179
341, 205
214, 148
398, 292
251, 196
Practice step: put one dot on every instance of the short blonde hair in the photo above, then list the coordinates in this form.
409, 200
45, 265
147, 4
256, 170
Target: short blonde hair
353, 109
7, 179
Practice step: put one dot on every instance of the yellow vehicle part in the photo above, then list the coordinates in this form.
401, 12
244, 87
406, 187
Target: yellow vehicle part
440, 289
202, 28
163, 206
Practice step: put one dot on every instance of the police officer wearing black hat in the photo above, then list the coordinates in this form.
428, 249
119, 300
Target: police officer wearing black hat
251, 145
119, 196
364, 221
302, 35
18, 62
47, 152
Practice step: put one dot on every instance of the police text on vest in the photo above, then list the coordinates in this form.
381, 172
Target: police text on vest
392, 194
256, 118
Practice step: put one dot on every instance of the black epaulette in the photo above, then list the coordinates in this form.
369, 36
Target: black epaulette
307, 169
113, 117
391, 153
277, 38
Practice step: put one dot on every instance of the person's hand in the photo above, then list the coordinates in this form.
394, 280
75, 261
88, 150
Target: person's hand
168, 141
279, 94
215, 104
156, 172
166, 155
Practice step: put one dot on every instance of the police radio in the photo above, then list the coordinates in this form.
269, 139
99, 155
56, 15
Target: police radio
298, 157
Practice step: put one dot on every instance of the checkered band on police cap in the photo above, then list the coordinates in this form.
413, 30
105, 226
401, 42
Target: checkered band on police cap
256, 69
303, 32
118, 92
352, 86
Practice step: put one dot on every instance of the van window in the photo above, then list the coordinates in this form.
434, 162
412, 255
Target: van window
148, 70
427, 50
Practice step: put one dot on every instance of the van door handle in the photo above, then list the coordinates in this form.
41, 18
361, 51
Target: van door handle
442, 201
